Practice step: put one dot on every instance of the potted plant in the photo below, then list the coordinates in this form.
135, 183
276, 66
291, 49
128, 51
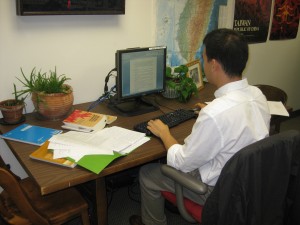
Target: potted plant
51, 96
12, 109
178, 85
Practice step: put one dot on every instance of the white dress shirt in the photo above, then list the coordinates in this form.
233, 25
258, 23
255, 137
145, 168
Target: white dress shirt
237, 117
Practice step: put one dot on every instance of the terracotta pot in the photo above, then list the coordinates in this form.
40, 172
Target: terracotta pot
53, 106
11, 114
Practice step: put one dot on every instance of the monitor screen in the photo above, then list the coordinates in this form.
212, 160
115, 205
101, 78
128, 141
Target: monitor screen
140, 72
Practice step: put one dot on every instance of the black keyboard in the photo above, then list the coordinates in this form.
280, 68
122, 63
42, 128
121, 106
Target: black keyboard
171, 119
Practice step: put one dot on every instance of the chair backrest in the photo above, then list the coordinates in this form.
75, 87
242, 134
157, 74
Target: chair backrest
12, 188
273, 93
253, 185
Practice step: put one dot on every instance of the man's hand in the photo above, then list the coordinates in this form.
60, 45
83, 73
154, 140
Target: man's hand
161, 130
158, 128
200, 105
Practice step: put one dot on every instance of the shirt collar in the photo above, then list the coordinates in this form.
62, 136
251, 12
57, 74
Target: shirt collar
232, 86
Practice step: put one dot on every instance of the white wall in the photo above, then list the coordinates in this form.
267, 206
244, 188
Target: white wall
277, 63
10, 159
83, 48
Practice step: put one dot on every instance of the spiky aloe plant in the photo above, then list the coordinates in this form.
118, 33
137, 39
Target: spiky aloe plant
39, 81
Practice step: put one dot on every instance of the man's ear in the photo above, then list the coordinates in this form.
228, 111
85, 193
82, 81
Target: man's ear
215, 65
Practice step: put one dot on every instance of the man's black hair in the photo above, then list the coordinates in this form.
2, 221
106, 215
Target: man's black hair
229, 48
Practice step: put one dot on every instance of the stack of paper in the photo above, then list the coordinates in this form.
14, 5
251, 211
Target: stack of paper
96, 149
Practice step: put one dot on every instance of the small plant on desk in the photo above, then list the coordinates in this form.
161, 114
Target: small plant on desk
12, 109
178, 81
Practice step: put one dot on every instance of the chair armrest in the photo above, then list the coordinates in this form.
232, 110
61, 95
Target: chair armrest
184, 179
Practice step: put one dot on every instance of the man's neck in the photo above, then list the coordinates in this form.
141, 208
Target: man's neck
226, 79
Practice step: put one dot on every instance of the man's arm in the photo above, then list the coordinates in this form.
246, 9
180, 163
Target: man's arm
161, 130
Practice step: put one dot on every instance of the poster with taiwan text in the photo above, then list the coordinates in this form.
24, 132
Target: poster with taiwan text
285, 19
252, 18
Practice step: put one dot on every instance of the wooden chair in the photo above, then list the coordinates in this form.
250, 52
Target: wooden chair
275, 94
22, 204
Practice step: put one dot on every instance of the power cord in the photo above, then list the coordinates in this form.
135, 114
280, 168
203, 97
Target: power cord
106, 94
102, 98
107, 79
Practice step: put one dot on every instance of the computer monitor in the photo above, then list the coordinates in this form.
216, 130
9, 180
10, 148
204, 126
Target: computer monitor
140, 73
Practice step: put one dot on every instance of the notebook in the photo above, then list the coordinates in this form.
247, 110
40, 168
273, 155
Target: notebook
30, 134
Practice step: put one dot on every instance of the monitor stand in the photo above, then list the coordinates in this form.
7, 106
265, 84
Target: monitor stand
132, 107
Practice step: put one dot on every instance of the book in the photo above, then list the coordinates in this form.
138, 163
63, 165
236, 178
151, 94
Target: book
85, 121
31, 134
46, 155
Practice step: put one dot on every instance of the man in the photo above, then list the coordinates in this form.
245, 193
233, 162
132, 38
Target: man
237, 117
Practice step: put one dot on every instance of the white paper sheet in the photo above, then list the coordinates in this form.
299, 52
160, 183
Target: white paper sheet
135, 145
277, 108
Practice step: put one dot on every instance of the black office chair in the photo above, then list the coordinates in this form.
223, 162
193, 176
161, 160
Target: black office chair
260, 184
275, 94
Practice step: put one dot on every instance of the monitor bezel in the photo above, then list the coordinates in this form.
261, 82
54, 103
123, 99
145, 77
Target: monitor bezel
119, 55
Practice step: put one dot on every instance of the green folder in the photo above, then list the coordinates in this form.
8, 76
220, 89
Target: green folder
96, 163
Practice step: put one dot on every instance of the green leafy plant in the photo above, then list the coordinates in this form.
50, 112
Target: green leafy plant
12, 109
16, 101
41, 82
179, 81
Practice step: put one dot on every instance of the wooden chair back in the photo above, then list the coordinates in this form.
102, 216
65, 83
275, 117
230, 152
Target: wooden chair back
14, 199
275, 94
22, 204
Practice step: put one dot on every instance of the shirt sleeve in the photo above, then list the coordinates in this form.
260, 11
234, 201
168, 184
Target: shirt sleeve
199, 148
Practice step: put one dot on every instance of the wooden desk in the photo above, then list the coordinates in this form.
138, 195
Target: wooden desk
51, 178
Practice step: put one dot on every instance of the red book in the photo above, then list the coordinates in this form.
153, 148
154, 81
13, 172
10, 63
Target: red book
87, 121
